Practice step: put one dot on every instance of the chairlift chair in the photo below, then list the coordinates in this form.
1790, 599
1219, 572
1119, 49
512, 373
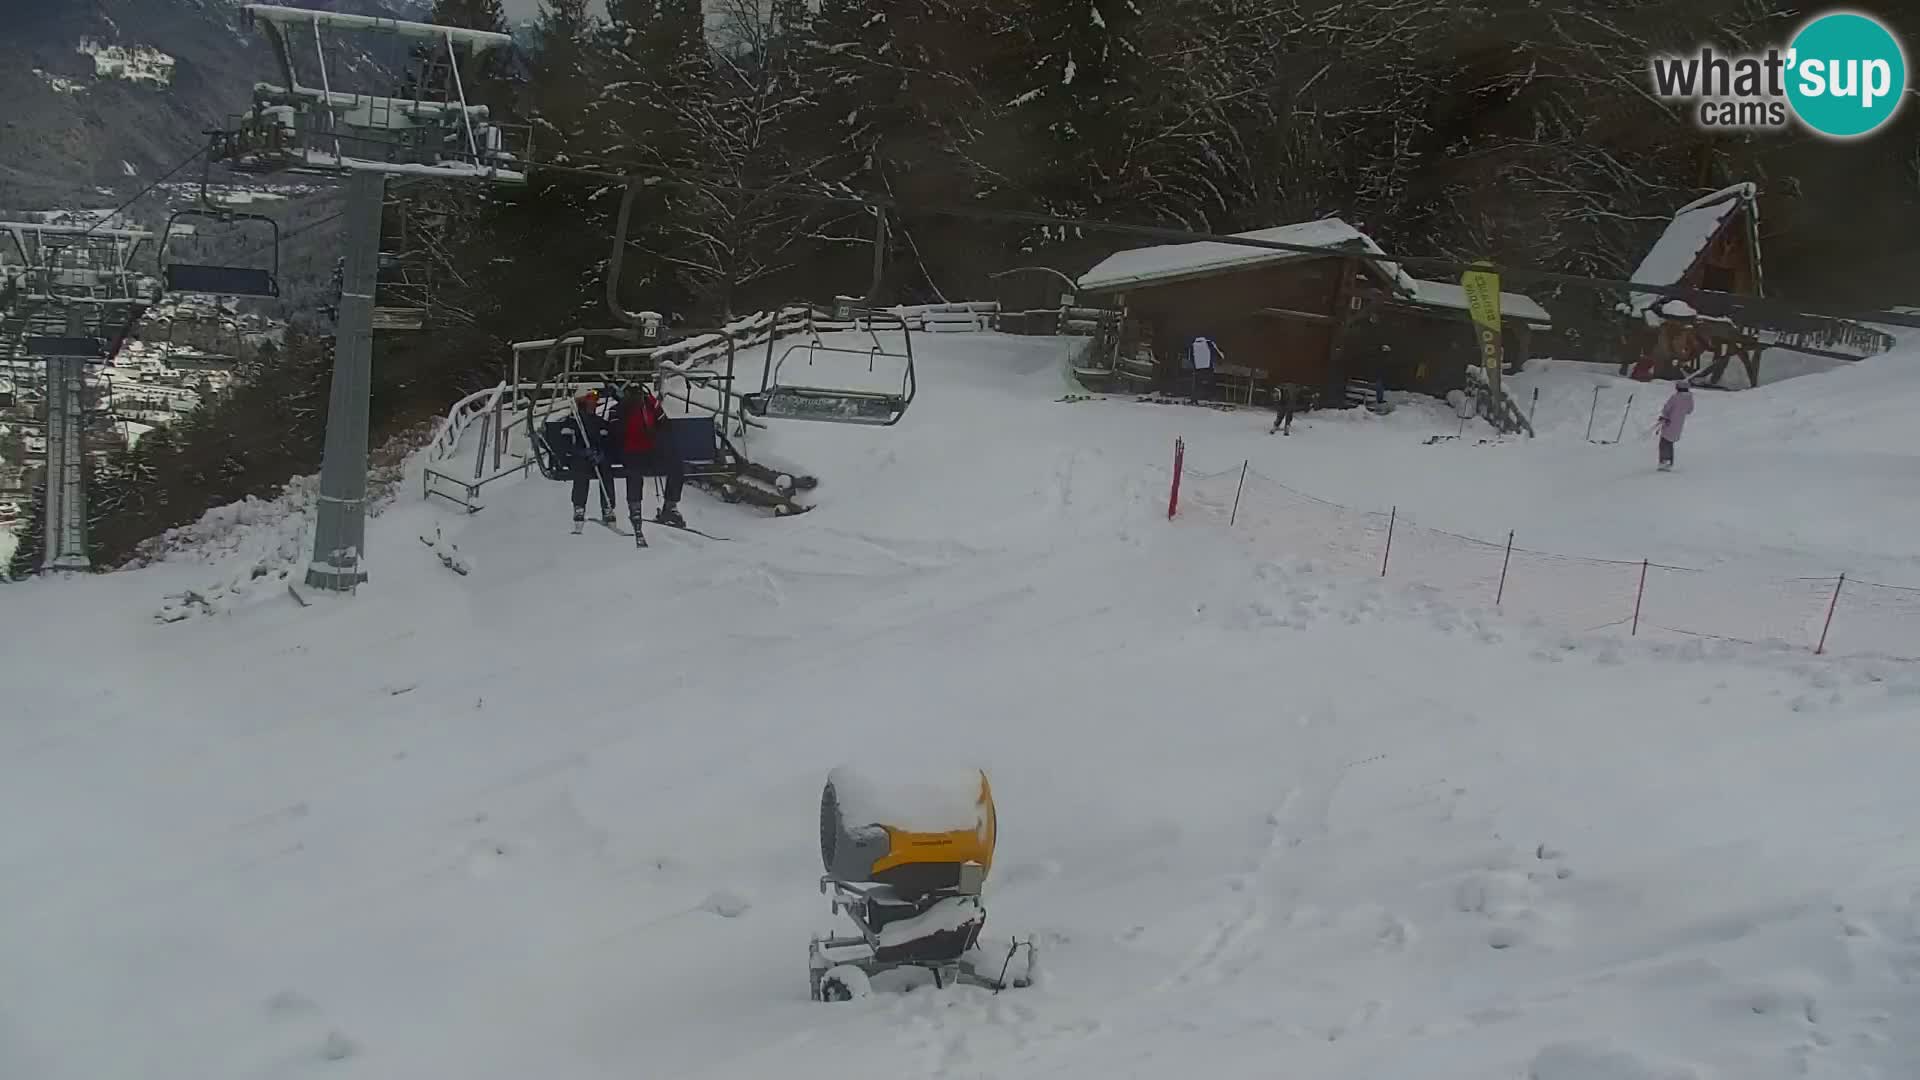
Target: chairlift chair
839, 405
183, 277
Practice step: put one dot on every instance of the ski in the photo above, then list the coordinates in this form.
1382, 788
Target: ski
691, 529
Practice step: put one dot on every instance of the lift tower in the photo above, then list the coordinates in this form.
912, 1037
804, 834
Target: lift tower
313, 123
69, 296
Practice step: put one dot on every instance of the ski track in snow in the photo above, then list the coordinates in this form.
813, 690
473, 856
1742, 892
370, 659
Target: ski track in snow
1262, 814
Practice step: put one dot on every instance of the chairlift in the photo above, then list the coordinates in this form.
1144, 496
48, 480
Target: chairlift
184, 277
798, 400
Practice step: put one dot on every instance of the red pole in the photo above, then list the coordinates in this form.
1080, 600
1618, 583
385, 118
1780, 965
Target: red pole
1235, 516
1502, 591
1179, 458
1384, 555
1831, 604
1636, 598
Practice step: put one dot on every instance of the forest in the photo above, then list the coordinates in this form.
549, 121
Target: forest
1512, 129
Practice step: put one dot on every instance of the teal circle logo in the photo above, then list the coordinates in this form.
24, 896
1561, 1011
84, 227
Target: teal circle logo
1847, 74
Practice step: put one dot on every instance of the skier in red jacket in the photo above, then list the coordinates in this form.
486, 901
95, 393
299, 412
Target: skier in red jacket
646, 444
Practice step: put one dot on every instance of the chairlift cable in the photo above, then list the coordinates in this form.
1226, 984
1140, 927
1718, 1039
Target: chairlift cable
709, 181
188, 160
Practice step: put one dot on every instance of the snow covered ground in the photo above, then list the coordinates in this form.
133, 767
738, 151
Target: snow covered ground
1266, 813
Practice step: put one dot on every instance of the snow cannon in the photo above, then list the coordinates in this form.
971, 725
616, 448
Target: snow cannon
906, 858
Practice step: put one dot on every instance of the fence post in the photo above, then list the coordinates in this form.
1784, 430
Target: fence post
1591, 413
1501, 593
1179, 459
1642, 591
480, 448
1392, 515
1235, 516
499, 430
1831, 604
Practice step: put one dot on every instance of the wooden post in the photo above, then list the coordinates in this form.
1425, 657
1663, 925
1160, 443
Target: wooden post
1501, 593
1831, 604
1342, 316
1392, 515
1591, 411
1235, 515
1179, 458
1638, 594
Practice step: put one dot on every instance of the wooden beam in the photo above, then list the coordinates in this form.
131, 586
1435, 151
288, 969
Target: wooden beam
1298, 316
1336, 348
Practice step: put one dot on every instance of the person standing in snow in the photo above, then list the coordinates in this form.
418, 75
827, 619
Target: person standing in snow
1286, 398
1673, 420
592, 454
1202, 355
647, 446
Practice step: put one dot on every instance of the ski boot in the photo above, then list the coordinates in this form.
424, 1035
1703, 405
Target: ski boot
579, 520
669, 515
639, 538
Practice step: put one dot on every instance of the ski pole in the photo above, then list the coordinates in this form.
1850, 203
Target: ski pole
1623, 419
1591, 411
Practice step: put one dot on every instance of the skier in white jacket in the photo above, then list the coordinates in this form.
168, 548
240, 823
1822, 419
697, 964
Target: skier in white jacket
1202, 355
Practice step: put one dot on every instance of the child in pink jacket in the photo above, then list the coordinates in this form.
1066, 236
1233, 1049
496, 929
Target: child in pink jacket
1673, 420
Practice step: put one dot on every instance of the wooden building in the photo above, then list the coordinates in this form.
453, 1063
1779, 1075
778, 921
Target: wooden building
1321, 321
1278, 316
1712, 244
1425, 342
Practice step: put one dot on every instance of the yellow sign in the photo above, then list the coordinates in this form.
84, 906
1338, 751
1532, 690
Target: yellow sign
1483, 303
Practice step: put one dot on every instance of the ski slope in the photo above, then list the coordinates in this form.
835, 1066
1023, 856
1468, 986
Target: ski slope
557, 817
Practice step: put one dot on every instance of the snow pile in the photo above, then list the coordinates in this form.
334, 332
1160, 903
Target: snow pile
1171, 262
256, 531
908, 797
259, 545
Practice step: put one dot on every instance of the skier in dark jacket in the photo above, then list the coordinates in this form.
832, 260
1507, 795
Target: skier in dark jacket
591, 456
1286, 399
645, 440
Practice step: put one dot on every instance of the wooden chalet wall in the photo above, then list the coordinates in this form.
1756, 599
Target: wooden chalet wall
1279, 319
1426, 350
1728, 263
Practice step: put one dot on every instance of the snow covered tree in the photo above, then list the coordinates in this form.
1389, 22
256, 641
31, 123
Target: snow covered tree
30, 542
719, 231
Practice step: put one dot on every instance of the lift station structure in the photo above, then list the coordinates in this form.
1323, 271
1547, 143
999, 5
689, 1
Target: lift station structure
313, 122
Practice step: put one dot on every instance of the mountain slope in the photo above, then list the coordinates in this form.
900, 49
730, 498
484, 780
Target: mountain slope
78, 122
557, 816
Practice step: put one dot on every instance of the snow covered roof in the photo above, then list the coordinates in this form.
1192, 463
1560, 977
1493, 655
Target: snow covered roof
1441, 294
1691, 230
1175, 262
